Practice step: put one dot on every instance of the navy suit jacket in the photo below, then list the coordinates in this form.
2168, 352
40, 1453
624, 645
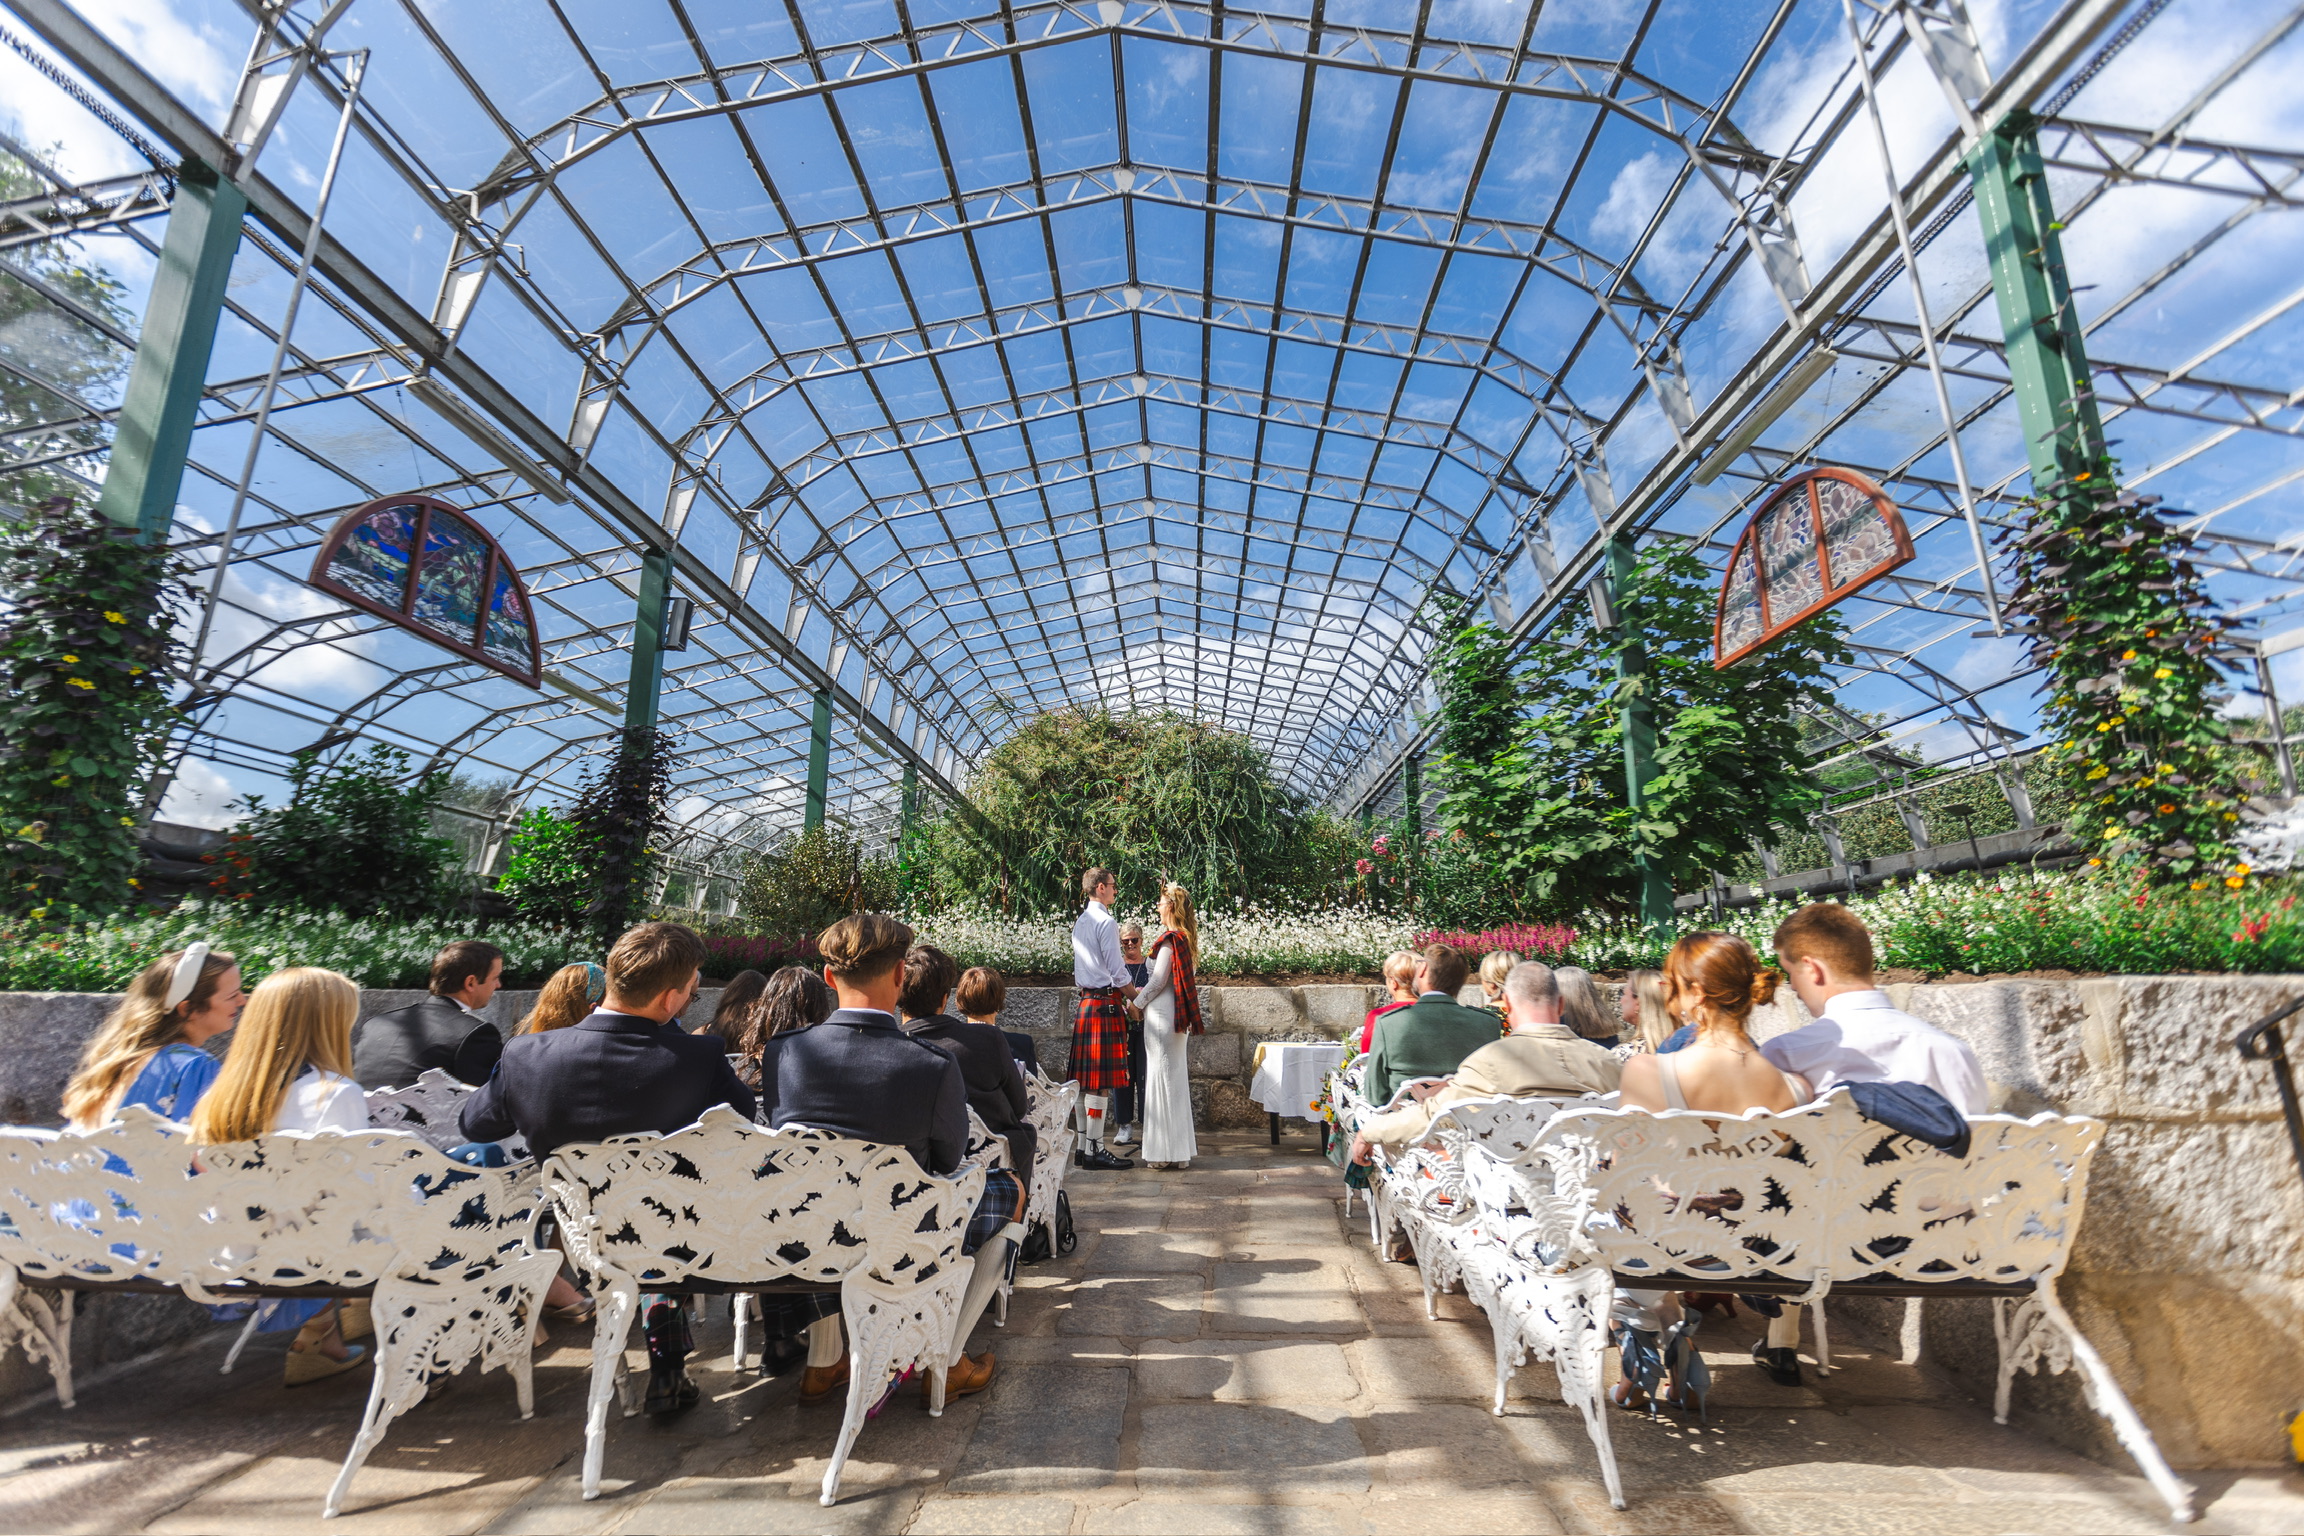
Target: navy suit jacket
612, 1074
860, 1075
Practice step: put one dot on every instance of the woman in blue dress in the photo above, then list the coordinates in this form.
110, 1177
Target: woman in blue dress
148, 1051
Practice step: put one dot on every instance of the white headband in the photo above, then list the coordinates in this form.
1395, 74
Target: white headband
187, 975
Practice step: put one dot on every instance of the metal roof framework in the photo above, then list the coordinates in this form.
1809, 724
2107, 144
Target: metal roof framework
981, 358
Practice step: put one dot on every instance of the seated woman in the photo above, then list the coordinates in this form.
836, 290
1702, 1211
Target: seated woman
148, 1050
792, 999
1713, 980
736, 1000
1648, 1022
1399, 991
1581, 1008
568, 998
290, 1069
1493, 970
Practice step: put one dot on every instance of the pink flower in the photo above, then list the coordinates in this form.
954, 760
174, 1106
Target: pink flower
1364, 867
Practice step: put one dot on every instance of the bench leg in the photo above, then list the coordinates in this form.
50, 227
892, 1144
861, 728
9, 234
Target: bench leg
1910, 1352
232, 1357
740, 1313
1578, 1308
890, 1328
44, 1329
1823, 1339
2038, 1331
610, 1332
1275, 1130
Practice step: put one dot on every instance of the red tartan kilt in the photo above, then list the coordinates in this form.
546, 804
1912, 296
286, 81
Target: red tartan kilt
1100, 1042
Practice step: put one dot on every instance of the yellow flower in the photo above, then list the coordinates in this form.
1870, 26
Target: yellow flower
2127, 655
81, 682
2234, 881
117, 618
2199, 885
2098, 771
2231, 815
2163, 672
127, 821
71, 660
2240, 869
2103, 725
2095, 863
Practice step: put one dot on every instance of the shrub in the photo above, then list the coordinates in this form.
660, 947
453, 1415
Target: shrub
550, 869
809, 881
356, 833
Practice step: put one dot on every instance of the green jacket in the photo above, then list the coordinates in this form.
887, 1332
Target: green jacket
1430, 1038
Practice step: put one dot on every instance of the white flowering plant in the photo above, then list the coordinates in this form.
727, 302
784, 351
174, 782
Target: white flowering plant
1243, 939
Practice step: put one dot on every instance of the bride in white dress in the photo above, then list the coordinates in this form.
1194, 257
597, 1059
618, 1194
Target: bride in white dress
1170, 998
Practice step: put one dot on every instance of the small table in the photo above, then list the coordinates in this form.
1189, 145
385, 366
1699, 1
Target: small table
1287, 1075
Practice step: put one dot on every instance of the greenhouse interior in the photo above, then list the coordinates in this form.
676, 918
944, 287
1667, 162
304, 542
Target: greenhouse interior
1209, 531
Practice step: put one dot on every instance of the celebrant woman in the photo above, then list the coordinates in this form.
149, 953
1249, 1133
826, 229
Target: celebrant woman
1171, 1003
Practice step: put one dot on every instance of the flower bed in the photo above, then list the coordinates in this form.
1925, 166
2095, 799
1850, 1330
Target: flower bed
1245, 940
1548, 942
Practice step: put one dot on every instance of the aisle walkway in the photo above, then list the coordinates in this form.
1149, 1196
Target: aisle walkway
1229, 1357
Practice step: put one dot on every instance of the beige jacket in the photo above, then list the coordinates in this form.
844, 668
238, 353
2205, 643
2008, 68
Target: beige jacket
1539, 1061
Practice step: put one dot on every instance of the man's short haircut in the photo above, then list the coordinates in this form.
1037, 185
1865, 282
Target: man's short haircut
463, 961
1445, 969
982, 992
1096, 876
650, 959
864, 946
1532, 985
928, 977
1829, 932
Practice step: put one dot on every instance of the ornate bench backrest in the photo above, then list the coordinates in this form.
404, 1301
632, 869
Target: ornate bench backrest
1819, 1190
725, 1200
136, 1198
429, 1107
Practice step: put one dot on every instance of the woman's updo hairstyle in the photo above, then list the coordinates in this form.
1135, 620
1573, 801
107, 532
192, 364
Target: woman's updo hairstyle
1725, 973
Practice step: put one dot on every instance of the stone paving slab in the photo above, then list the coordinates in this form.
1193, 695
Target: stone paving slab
1224, 1352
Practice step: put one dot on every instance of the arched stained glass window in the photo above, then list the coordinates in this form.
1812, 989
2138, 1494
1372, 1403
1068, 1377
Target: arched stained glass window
426, 566
1819, 538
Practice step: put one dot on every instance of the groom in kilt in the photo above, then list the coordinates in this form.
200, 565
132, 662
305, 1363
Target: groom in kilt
1100, 1028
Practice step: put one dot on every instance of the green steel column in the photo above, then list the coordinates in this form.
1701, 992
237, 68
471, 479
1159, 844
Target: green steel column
1639, 747
2047, 364
910, 813
162, 402
820, 760
643, 693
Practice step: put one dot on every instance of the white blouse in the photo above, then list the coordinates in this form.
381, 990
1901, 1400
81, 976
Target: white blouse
322, 1101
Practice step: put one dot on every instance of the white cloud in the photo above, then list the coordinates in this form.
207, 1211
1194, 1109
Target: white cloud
317, 662
199, 796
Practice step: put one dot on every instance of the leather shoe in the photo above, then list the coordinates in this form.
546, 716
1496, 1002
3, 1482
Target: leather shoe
670, 1390
1100, 1159
781, 1355
1782, 1366
818, 1383
965, 1378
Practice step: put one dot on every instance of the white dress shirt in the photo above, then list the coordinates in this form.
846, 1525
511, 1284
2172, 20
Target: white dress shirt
1864, 1038
1096, 959
322, 1101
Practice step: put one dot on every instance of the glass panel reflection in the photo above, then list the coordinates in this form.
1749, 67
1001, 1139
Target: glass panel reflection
373, 559
1857, 537
1740, 618
448, 578
509, 627
1788, 555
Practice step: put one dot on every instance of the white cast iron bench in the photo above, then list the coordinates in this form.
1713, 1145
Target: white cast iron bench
429, 1106
1050, 1109
724, 1206
1798, 1205
442, 1249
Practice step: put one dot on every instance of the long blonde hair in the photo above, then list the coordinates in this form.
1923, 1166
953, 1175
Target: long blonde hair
1656, 1022
566, 999
1493, 970
134, 1030
1176, 911
297, 1018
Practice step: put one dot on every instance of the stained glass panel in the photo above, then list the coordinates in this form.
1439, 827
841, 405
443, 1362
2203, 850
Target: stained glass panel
1857, 537
373, 558
1740, 618
1788, 555
448, 578
509, 627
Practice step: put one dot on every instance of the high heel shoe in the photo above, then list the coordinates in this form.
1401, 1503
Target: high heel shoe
306, 1361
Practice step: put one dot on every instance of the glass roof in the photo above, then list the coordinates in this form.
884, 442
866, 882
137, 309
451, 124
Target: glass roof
984, 359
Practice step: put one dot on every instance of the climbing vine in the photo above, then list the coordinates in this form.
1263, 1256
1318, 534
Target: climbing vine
86, 647
621, 817
2136, 654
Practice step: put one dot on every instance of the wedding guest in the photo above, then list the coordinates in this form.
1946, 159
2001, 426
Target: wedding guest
1581, 1008
1128, 1098
148, 1049
982, 993
289, 1069
1432, 1036
736, 999
1400, 991
1642, 1009
572, 993
447, 1030
1494, 967
988, 1068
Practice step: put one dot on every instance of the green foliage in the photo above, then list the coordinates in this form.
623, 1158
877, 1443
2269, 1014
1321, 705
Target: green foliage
551, 872
86, 646
2135, 653
623, 812
356, 832
1549, 811
1144, 794
808, 882
55, 360
104, 954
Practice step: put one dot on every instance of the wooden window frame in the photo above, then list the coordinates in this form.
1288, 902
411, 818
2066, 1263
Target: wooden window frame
1804, 485
497, 563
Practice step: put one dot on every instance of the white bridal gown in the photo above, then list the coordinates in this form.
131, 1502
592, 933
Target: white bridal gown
1167, 1089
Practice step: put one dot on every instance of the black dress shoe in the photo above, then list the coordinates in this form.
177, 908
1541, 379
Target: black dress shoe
1781, 1365
781, 1356
669, 1343
1099, 1158
669, 1389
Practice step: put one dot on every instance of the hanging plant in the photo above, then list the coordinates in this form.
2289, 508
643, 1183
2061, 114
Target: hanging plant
621, 814
2136, 656
87, 645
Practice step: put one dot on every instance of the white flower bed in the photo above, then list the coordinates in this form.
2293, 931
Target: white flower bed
1239, 941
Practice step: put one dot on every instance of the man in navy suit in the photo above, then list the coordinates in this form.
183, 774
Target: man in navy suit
618, 1072
859, 1074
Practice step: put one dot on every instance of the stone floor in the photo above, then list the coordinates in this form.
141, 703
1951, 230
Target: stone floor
1222, 1354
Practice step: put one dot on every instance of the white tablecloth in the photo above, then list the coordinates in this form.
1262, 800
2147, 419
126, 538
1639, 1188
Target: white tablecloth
1289, 1073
